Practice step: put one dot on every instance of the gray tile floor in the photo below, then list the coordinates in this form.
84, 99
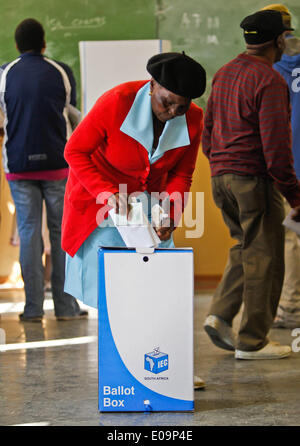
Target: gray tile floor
57, 385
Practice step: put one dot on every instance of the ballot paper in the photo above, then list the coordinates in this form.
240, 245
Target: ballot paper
136, 230
158, 215
289, 223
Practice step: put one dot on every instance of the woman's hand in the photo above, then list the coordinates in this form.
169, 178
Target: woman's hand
164, 232
119, 203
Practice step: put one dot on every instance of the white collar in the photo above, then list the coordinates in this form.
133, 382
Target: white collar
139, 125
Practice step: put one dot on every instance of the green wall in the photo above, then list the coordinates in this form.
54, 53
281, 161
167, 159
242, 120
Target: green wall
66, 22
205, 29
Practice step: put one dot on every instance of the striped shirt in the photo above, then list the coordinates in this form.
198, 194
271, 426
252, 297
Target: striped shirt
247, 127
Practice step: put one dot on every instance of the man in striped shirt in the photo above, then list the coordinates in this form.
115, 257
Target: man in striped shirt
247, 139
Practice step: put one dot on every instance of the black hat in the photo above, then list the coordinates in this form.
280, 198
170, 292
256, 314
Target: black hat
263, 26
178, 73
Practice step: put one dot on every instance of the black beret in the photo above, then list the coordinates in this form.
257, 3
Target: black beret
263, 26
178, 73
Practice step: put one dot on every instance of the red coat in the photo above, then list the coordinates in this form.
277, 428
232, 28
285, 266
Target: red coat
101, 157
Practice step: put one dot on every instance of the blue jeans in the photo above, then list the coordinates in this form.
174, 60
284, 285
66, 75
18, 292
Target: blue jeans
28, 196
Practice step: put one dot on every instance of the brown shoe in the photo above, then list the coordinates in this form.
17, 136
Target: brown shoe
220, 333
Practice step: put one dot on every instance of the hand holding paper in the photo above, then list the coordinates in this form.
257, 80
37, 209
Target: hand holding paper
134, 227
164, 225
119, 203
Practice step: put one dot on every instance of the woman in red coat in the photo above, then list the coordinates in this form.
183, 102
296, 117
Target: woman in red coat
143, 135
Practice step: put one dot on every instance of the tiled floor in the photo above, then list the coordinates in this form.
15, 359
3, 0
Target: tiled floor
57, 385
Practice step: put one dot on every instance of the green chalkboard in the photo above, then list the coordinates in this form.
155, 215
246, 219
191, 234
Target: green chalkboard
66, 22
208, 30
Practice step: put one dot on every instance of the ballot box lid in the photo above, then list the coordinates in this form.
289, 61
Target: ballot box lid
142, 250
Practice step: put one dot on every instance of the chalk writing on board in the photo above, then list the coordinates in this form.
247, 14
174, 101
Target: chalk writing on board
206, 27
213, 22
55, 25
196, 19
212, 39
160, 12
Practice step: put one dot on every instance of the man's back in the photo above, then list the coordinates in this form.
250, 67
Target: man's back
36, 91
244, 127
289, 68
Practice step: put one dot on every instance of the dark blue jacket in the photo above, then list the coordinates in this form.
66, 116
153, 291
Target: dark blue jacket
35, 92
289, 68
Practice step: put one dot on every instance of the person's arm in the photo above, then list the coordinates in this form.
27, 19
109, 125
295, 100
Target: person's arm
73, 99
208, 125
91, 134
72, 81
275, 133
180, 177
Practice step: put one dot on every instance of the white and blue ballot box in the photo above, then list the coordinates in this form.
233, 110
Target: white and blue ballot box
146, 329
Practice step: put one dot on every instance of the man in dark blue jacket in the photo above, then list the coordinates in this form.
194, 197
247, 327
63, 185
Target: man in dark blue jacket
288, 312
36, 96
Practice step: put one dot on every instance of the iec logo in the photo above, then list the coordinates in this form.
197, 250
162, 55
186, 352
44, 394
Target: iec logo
156, 361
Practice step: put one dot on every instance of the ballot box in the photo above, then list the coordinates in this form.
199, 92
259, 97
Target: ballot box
145, 329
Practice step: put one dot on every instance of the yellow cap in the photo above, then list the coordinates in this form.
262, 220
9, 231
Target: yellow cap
278, 7
286, 15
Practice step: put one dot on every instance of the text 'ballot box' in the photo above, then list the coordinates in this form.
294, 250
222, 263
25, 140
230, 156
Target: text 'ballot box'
146, 329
